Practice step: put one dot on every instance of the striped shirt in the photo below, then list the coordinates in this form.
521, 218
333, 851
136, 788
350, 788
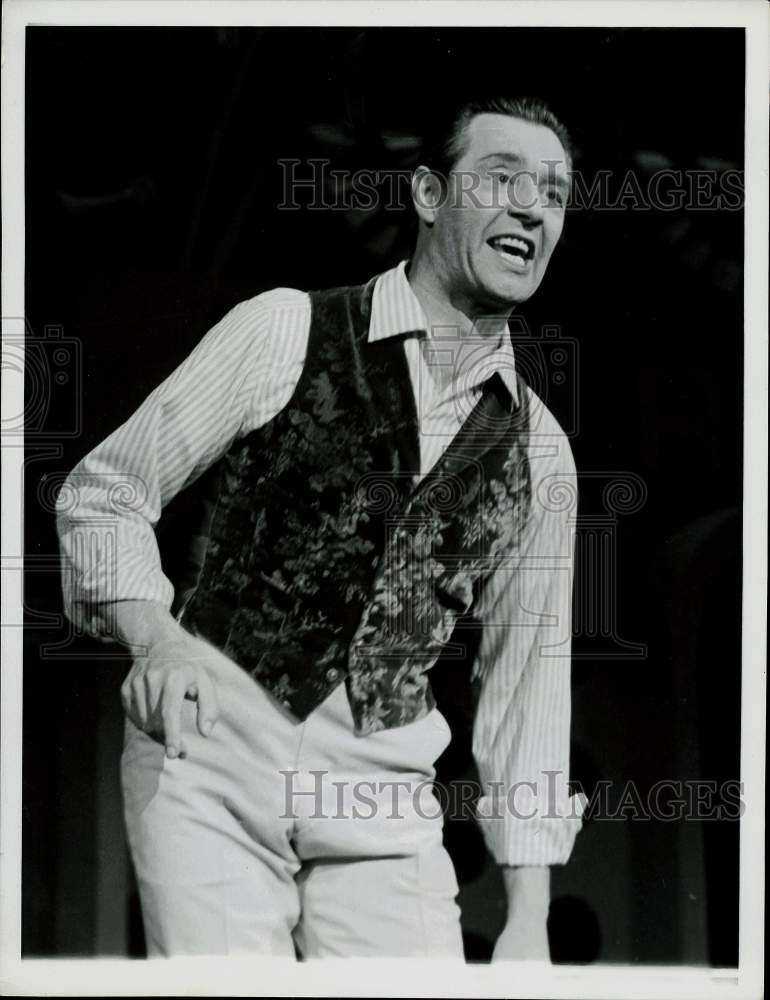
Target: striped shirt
240, 375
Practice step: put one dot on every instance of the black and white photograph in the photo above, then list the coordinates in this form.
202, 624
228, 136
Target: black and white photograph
384, 498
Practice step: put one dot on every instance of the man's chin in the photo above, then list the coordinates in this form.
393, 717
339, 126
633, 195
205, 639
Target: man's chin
509, 291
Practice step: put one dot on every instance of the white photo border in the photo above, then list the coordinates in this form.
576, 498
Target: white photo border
351, 977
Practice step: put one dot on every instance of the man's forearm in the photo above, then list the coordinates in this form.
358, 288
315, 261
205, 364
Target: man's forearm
528, 889
138, 623
525, 934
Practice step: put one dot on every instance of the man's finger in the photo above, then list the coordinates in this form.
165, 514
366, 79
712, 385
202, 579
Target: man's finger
208, 703
171, 713
128, 705
153, 695
139, 701
125, 694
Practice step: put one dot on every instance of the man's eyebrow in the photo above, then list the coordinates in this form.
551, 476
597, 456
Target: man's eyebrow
507, 157
516, 160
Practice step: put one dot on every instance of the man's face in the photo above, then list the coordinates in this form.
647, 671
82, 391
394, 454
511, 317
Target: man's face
504, 212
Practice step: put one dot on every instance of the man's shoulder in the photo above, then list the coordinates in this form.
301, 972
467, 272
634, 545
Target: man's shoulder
275, 300
276, 314
284, 299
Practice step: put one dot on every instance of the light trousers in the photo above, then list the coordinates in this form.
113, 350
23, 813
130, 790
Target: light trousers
279, 837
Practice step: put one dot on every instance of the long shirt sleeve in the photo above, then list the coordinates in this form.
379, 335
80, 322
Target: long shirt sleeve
238, 377
522, 722
241, 374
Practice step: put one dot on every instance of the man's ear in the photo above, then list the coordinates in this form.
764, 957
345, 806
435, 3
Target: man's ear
428, 190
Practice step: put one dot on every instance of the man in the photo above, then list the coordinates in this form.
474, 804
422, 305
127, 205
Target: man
376, 471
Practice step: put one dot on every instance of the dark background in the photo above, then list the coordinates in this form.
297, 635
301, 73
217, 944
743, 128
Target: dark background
152, 193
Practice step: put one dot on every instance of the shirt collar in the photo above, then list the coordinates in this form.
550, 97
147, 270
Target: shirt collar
397, 310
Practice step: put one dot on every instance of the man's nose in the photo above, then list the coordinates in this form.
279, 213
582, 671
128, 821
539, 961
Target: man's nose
524, 197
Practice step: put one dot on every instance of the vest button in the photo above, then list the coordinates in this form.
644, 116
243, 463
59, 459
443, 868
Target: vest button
332, 675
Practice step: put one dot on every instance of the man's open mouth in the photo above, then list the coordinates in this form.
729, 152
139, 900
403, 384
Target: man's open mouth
518, 248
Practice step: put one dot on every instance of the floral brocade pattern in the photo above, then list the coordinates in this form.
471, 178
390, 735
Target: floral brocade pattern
436, 558
323, 561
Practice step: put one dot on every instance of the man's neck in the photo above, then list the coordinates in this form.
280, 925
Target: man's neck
456, 322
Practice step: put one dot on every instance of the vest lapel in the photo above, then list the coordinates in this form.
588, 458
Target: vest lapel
391, 382
486, 426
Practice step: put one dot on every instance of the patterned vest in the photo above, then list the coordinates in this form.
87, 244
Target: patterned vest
321, 561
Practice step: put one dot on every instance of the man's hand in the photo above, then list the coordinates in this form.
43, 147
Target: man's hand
169, 666
525, 935
172, 669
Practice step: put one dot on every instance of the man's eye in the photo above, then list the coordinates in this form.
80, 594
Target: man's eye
555, 196
501, 176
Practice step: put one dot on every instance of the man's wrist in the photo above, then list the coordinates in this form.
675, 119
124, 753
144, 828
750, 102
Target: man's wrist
528, 890
140, 624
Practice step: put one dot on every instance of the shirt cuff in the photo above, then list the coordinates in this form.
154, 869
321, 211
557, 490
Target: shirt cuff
518, 830
84, 593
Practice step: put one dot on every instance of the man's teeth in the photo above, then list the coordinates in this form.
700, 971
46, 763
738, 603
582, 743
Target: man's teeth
513, 246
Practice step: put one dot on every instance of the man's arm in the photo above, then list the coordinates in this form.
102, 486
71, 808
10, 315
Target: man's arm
521, 728
525, 935
238, 377
169, 665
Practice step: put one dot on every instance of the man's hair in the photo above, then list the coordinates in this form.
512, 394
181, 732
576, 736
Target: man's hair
447, 139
